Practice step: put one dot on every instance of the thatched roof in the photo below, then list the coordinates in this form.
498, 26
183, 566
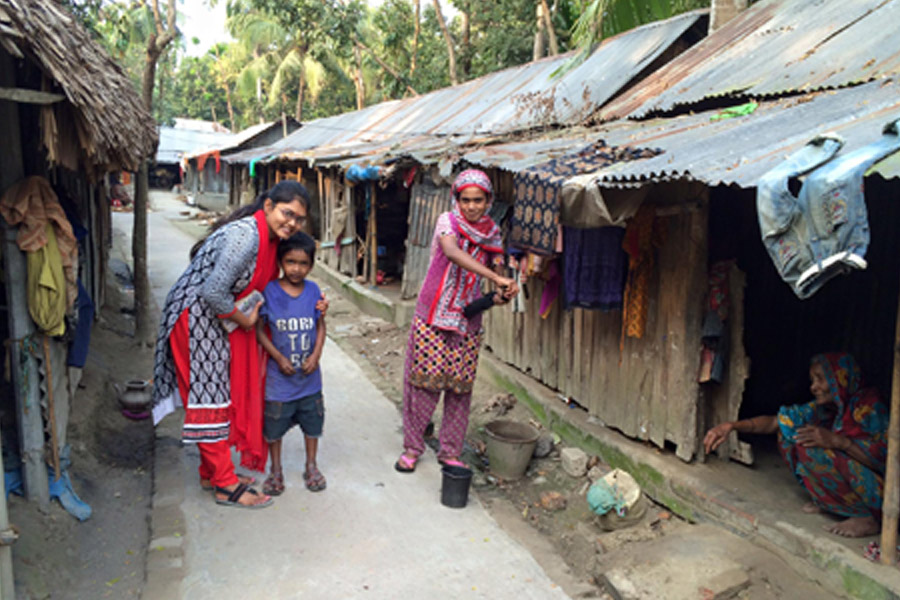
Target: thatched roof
113, 130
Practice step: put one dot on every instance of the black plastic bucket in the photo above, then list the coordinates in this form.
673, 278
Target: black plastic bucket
455, 486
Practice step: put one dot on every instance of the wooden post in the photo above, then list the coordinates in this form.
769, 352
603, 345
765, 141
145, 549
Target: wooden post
51, 407
373, 246
321, 201
11, 170
891, 505
24, 366
24, 373
7, 587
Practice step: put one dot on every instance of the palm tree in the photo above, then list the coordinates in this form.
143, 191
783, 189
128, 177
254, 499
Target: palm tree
604, 18
278, 57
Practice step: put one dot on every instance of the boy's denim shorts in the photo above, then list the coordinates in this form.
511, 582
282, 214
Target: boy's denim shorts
307, 412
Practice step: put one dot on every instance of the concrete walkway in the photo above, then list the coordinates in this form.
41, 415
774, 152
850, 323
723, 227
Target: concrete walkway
373, 533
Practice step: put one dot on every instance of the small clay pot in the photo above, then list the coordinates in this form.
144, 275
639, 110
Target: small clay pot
134, 396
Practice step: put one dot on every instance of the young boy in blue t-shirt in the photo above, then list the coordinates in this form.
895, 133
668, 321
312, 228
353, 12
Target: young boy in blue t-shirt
293, 379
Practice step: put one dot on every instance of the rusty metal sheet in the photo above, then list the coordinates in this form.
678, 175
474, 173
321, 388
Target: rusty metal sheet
521, 98
739, 150
772, 48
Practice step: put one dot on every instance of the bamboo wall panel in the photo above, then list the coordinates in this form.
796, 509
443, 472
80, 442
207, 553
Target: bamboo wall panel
649, 390
338, 197
725, 398
427, 202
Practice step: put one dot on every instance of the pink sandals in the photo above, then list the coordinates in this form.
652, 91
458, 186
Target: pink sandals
406, 463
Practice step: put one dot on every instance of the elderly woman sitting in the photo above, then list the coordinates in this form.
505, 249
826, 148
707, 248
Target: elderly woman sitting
835, 445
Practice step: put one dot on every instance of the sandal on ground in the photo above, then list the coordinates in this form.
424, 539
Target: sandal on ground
273, 485
315, 481
235, 495
453, 462
406, 463
245, 479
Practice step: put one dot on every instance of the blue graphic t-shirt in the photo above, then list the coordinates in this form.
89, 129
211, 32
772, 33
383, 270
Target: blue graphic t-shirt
292, 322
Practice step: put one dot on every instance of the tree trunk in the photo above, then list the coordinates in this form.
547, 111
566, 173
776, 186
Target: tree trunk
466, 46
384, 65
148, 78
142, 326
722, 11
143, 330
161, 85
548, 25
360, 83
230, 108
156, 44
415, 44
298, 112
537, 50
451, 54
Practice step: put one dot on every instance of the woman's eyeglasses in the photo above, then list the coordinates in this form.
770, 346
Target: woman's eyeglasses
290, 215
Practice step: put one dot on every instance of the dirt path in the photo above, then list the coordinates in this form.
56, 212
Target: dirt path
58, 557
103, 557
660, 556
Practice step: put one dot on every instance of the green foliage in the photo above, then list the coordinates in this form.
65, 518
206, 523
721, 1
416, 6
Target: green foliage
605, 18
194, 93
278, 43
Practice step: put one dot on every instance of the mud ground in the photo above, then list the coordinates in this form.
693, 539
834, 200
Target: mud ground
57, 556
569, 530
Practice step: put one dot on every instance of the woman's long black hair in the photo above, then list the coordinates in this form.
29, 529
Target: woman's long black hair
285, 191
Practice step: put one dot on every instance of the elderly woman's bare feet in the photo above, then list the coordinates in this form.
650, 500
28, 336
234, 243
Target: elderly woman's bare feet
855, 527
810, 508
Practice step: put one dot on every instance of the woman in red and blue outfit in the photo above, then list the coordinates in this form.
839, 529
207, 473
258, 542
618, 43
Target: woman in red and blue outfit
836, 445
442, 354
214, 374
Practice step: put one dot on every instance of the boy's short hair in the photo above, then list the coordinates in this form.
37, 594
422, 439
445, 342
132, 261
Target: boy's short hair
298, 241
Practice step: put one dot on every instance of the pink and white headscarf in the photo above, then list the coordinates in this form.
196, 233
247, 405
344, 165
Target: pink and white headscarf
481, 240
484, 232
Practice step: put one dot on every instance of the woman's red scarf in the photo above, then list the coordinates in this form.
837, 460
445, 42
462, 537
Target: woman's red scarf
248, 364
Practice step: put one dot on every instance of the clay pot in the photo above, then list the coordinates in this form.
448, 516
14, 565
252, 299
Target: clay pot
134, 396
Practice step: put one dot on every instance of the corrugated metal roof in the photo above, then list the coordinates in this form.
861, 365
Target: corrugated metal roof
239, 139
519, 156
775, 47
741, 149
174, 143
521, 98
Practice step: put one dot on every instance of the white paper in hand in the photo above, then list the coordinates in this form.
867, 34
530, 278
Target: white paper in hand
244, 305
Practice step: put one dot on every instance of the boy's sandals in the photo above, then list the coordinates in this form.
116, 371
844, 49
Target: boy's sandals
235, 495
274, 484
406, 463
315, 481
207, 486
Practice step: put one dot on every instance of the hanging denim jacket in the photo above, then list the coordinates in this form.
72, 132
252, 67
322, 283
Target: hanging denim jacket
823, 231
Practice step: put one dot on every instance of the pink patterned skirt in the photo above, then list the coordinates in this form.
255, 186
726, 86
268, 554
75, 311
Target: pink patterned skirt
439, 360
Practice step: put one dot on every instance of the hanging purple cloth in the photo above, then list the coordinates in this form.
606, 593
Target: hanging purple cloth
594, 267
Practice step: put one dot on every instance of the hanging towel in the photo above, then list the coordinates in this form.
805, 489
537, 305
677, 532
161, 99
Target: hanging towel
46, 287
31, 204
594, 267
642, 235
78, 348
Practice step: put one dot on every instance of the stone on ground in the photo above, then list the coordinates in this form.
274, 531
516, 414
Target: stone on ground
544, 445
596, 472
574, 461
553, 501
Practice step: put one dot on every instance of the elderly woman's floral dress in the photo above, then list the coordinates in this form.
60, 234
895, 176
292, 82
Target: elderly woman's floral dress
837, 482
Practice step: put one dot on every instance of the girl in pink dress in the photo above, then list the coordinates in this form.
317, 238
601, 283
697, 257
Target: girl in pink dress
442, 354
